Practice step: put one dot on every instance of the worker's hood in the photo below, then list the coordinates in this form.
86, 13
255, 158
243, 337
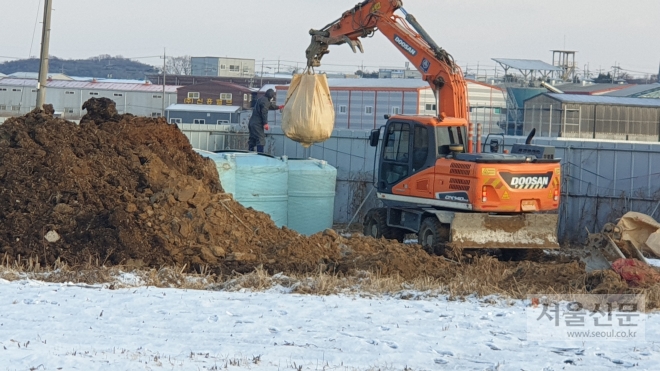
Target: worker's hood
270, 93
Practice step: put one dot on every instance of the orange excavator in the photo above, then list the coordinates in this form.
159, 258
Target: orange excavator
430, 179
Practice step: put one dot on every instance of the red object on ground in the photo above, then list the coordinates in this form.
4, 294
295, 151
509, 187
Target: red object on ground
635, 272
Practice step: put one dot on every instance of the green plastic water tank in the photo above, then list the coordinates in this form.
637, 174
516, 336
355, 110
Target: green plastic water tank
254, 180
311, 195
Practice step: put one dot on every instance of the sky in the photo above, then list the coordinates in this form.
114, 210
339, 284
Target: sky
603, 32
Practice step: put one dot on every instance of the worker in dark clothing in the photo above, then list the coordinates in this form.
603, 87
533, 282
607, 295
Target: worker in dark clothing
259, 121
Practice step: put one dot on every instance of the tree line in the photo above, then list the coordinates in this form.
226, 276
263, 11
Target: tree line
101, 66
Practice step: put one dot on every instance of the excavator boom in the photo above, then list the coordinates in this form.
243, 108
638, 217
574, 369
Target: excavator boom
434, 63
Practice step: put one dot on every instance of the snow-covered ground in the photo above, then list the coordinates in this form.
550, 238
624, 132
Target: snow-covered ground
45, 326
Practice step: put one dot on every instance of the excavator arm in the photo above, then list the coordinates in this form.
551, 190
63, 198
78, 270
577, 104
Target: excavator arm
434, 63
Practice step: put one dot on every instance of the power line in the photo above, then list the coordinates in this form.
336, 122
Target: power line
34, 30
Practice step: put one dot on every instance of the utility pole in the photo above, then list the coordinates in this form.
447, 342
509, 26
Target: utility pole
278, 64
262, 73
43, 66
616, 69
162, 114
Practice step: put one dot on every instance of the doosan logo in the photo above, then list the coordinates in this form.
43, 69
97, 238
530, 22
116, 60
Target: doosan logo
405, 45
530, 181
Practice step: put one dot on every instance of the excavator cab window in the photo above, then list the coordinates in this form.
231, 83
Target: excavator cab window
396, 153
445, 136
420, 147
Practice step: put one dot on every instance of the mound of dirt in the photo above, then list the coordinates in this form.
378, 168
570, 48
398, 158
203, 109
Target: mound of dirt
119, 189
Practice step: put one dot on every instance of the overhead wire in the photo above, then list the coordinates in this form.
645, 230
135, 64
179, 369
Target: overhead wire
34, 31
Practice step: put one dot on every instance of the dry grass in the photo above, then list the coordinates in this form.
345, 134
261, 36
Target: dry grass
484, 276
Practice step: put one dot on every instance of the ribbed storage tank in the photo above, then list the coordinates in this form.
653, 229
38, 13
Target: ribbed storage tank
256, 181
311, 195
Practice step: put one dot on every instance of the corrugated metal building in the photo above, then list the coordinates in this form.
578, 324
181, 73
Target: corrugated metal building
215, 93
204, 114
596, 117
19, 96
362, 103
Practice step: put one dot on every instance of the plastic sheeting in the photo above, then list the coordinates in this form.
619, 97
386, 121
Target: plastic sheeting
642, 230
312, 186
308, 116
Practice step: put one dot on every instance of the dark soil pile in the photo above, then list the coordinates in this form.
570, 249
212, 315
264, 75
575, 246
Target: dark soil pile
119, 189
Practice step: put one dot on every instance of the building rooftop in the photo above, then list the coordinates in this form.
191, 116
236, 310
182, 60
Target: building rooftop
590, 88
35, 76
203, 108
634, 91
220, 84
100, 79
87, 85
605, 100
527, 64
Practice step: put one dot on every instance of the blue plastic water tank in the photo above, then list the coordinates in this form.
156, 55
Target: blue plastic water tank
256, 181
311, 195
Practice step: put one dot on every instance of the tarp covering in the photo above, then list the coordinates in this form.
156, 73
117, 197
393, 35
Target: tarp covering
641, 230
308, 116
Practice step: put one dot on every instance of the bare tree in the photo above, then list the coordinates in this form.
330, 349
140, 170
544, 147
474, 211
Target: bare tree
179, 65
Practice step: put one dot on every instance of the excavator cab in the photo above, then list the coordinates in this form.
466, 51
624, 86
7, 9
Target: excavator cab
410, 146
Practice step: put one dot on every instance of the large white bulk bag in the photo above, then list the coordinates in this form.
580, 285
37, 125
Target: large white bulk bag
308, 116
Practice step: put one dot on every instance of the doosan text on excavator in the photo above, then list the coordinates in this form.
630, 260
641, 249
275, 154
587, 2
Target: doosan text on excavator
430, 177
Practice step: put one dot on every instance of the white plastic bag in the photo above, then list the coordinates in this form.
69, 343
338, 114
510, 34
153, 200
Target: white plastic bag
308, 116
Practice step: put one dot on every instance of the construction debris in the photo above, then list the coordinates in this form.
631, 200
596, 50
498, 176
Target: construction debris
642, 231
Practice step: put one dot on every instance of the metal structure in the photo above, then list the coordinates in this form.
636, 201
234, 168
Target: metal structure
528, 68
564, 59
